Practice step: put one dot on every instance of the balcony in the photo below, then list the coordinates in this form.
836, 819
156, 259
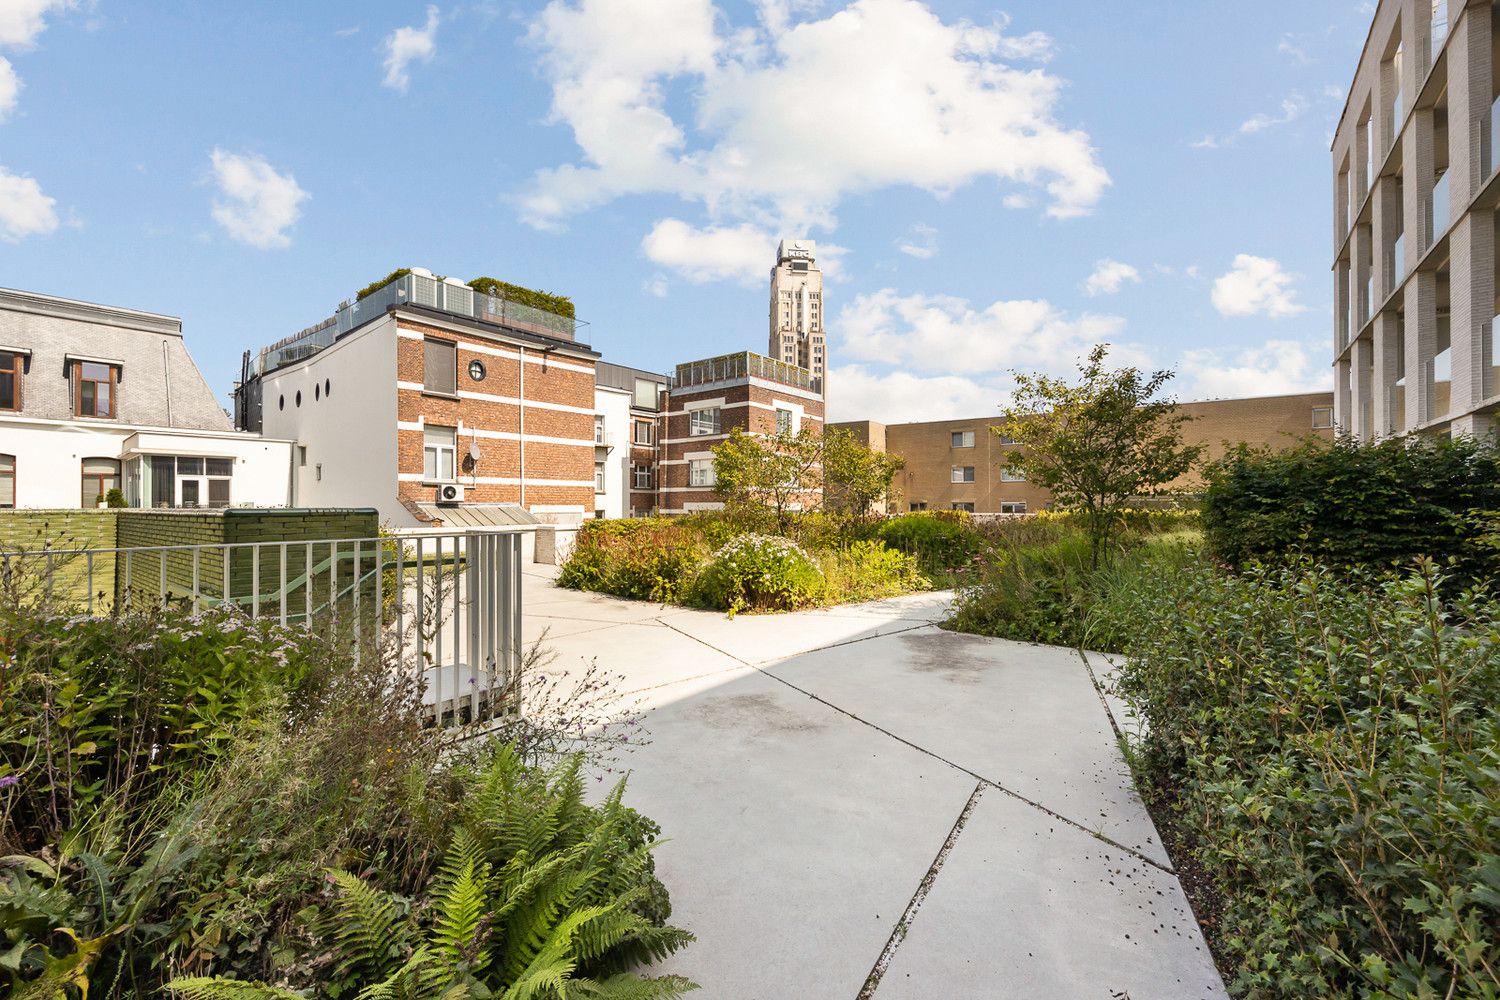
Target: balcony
1437, 210
746, 364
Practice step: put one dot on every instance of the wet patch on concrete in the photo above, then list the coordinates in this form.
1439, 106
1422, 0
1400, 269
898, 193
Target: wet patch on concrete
952, 656
755, 714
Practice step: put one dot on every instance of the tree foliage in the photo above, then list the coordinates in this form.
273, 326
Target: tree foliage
779, 475
1098, 443
857, 480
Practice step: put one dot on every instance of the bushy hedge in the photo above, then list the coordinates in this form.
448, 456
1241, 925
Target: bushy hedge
1334, 749
869, 571
561, 305
645, 559
940, 541
759, 573
1351, 504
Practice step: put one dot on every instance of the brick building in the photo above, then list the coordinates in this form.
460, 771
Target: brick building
709, 399
628, 407
961, 464
428, 395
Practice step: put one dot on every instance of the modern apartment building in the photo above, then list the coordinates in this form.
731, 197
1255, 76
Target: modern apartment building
961, 464
1416, 191
798, 336
711, 398
433, 402
96, 397
628, 404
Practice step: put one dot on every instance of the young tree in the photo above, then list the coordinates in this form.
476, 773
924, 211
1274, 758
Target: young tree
779, 474
856, 479
1098, 443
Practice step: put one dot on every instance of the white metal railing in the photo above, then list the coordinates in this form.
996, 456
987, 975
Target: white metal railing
445, 608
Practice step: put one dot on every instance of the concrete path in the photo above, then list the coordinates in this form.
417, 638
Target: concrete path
860, 804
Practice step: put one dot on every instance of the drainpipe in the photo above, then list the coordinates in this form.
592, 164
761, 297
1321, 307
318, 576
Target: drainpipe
522, 407
167, 377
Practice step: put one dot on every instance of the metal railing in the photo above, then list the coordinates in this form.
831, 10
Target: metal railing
745, 364
443, 608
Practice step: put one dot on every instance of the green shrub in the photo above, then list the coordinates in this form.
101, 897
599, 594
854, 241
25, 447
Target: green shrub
1334, 748
561, 305
1351, 504
940, 542
115, 498
868, 571
758, 573
647, 559
376, 286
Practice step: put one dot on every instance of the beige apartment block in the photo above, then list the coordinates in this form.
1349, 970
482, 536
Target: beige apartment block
961, 464
1416, 192
797, 309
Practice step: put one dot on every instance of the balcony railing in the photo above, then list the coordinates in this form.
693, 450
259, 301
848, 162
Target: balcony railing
1437, 210
745, 364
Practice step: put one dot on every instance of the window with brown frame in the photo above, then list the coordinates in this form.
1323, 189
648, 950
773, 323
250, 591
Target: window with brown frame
7, 481
93, 389
11, 367
100, 475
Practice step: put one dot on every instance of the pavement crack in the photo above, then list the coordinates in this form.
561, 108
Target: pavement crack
1033, 803
898, 933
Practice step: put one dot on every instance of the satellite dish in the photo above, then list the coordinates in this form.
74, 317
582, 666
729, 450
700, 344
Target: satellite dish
474, 450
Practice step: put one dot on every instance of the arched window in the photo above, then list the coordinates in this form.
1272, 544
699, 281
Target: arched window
100, 475
7, 480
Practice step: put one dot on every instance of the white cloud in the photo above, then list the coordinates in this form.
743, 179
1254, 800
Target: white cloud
10, 88
657, 286
407, 45
1255, 285
1291, 109
791, 116
21, 21
1274, 368
259, 205
944, 333
24, 209
738, 253
1109, 277
856, 393
921, 243
1016, 201
1294, 47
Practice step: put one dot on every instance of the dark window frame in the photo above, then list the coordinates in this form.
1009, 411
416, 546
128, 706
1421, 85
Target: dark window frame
79, 382
16, 373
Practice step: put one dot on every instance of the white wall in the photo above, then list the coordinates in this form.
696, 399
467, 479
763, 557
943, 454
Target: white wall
350, 432
49, 456
614, 405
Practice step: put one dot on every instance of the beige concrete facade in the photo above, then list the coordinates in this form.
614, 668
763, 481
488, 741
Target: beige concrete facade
798, 336
960, 464
1416, 189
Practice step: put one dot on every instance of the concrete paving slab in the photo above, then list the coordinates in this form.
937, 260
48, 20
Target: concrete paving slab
1027, 907
1106, 669
796, 836
765, 638
1024, 716
649, 656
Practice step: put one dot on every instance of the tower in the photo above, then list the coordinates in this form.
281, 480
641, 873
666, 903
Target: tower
797, 333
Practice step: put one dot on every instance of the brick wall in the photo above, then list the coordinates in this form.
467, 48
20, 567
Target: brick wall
480, 419
74, 577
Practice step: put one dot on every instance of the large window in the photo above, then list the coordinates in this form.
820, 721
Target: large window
1322, 417
646, 395
93, 389
7, 481
182, 481
440, 367
641, 476
1012, 506
963, 474
11, 366
1011, 476
439, 449
100, 475
701, 472
704, 421
963, 439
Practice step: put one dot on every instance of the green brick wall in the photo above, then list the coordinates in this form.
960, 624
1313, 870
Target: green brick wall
43, 537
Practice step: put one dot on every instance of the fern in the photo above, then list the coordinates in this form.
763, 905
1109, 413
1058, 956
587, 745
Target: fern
460, 928
368, 929
219, 988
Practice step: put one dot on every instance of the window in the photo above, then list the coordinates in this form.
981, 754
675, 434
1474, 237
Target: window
302, 454
783, 421
963, 439
645, 394
1012, 506
969, 507
641, 476
701, 472
1322, 418
598, 429
920, 505
476, 370
7, 481
642, 430
598, 477
11, 366
1007, 439
100, 475
963, 474
439, 447
182, 481
93, 389
704, 421
1011, 476
440, 367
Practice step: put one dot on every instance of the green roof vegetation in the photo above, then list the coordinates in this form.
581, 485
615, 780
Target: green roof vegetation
560, 305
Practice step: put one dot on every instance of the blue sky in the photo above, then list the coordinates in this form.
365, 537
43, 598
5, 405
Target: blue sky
993, 188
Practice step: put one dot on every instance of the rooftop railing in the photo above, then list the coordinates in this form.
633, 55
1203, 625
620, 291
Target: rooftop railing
744, 364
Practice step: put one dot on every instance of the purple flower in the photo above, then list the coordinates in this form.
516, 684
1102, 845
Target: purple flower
9, 779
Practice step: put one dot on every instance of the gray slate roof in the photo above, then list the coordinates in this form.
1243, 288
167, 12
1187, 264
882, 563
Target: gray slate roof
160, 386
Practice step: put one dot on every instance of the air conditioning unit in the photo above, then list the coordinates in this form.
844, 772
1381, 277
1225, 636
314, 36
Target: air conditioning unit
450, 493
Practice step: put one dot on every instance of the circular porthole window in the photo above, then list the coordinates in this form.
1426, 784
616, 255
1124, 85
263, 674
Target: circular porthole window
327, 387
317, 392
281, 402
476, 370
299, 397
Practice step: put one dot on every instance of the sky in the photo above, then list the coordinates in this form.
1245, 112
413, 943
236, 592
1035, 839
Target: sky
992, 188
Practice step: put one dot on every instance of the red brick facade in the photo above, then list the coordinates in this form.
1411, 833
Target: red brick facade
557, 433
